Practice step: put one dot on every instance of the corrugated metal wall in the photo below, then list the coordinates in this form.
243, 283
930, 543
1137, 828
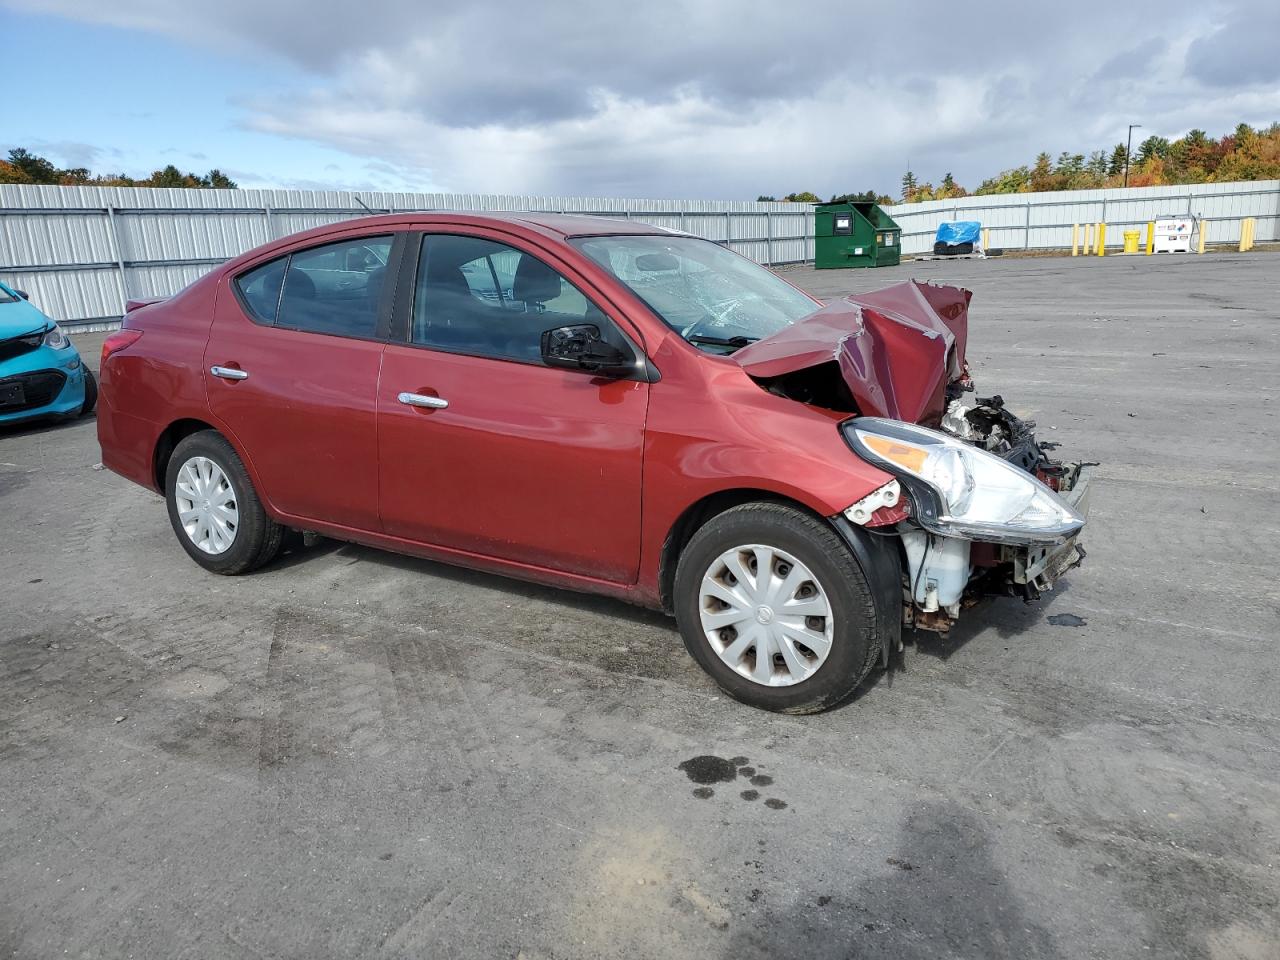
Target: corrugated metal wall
1029, 221
81, 251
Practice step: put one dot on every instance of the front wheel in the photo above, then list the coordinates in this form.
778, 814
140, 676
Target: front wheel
214, 509
90, 393
774, 606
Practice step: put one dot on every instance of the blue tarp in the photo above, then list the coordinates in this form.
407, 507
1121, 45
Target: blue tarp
959, 231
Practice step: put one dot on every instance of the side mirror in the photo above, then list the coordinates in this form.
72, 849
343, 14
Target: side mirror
579, 347
22, 293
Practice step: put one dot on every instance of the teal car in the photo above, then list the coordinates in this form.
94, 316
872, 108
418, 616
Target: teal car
41, 374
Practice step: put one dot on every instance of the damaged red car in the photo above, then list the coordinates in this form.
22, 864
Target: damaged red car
601, 406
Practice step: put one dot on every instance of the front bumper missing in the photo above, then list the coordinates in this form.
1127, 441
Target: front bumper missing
1023, 570
1037, 568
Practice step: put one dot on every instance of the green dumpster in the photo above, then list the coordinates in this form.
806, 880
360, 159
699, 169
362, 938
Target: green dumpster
855, 235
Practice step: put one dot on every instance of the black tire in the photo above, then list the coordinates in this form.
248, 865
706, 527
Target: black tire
856, 640
257, 537
90, 393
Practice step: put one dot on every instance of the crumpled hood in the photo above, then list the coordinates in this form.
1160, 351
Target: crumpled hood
896, 348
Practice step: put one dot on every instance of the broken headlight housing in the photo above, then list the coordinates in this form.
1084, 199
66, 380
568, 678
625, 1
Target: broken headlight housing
959, 490
55, 338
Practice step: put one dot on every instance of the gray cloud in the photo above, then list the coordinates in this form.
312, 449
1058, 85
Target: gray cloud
718, 98
1244, 49
1132, 62
69, 153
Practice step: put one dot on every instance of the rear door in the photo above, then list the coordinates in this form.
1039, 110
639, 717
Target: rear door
292, 368
513, 459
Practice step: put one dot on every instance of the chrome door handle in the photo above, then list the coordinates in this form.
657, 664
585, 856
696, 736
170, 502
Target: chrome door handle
229, 373
419, 400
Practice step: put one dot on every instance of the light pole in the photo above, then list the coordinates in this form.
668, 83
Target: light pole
1128, 150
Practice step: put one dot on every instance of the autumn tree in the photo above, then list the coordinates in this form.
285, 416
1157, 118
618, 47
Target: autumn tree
908, 186
1153, 146
23, 166
1119, 153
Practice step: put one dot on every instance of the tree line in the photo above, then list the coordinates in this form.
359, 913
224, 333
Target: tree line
23, 166
1247, 153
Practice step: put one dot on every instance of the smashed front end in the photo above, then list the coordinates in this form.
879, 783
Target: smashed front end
981, 508
978, 504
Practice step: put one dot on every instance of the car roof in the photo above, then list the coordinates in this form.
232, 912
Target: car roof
555, 226
562, 225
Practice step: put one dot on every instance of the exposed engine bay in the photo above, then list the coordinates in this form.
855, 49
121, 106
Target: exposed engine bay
1004, 569
895, 359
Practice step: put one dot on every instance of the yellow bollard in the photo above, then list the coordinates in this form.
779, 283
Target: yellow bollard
1102, 239
1088, 238
1151, 237
1075, 238
1247, 229
1204, 227
986, 239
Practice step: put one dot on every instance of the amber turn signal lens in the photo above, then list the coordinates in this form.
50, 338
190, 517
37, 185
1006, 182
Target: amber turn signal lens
905, 455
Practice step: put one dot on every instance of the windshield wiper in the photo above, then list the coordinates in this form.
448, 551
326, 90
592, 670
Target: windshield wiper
735, 342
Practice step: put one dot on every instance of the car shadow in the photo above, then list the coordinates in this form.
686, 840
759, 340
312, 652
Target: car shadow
1009, 617
43, 425
298, 552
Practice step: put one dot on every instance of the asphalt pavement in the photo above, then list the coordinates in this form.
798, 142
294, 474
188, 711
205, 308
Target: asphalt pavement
357, 754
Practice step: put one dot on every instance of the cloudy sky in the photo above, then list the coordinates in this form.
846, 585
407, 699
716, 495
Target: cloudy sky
702, 98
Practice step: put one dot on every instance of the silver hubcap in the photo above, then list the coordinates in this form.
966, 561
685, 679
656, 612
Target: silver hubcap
207, 505
766, 615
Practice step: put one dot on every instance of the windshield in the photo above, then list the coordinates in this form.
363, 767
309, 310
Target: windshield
712, 297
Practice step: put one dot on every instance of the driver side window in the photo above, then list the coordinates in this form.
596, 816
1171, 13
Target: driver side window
488, 299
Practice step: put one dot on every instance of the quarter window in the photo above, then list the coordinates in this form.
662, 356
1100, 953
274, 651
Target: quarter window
485, 298
260, 288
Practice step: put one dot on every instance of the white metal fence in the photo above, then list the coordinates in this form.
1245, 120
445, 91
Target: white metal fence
82, 251
1029, 221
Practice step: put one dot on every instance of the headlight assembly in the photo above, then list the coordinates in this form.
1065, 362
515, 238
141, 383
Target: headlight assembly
959, 490
55, 338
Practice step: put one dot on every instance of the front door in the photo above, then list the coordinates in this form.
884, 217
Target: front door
486, 450
291, 367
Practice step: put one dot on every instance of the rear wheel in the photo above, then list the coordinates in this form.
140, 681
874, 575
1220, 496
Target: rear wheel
215, 512
774, 606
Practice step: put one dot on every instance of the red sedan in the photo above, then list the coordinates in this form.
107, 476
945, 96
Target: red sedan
602, 406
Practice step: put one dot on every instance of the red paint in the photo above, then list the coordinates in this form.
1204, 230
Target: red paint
552, 475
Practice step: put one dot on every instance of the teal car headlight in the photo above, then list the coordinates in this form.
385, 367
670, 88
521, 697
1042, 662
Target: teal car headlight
55, 338
960, 490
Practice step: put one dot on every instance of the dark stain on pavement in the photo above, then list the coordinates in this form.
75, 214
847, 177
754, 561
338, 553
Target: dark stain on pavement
1067, 620
708, 769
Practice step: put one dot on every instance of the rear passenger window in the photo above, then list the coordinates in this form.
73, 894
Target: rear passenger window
260, 288
485, 298
336, 289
